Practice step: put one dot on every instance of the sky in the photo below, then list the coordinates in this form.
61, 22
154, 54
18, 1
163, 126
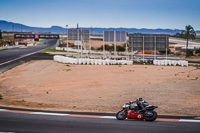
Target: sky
152, 14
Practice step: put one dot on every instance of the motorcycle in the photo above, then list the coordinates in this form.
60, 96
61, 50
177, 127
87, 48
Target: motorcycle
134, 112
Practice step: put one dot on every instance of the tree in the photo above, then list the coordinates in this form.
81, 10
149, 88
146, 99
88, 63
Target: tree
187, 34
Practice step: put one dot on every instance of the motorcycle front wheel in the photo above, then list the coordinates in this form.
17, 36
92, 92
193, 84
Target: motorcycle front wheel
121, 115
150, 117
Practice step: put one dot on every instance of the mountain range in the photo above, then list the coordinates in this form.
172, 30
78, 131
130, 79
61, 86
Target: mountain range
17, 27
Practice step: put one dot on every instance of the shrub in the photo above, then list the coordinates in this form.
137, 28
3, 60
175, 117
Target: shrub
164, 51
197, 51
190, 52
111, 48
1, 97
92, 48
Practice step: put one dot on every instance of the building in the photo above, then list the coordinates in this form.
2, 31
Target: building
151, 42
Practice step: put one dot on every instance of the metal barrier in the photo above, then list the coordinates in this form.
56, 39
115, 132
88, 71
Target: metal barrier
84, 61
170, 62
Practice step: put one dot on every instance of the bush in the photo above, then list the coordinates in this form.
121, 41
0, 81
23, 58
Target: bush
101, 48
111, 48
164, 51
190, 53
197, 51
120, 48
1, 97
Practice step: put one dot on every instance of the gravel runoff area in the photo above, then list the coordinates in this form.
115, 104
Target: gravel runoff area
50, 85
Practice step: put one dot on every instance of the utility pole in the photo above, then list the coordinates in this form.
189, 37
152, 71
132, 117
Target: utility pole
67, 37
166, 47
104, 46
154, 47
81, 44
115, 45
78, 36
89, 40
13, 34
143, 48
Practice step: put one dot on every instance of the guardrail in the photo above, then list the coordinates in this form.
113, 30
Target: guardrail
170, 62
85, 61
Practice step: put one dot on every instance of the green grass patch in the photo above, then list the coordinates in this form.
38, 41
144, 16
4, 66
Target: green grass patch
28, 61
53, 50
56, 45
8, 48
41, 42
50, 50
198, 40
62, 40
4, 49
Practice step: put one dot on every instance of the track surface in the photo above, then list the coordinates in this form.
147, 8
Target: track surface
14, 57
20, 122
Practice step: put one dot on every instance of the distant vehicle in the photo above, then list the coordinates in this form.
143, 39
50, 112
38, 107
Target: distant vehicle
134, 112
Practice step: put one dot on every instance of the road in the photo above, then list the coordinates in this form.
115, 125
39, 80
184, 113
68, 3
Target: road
20, 122
14, 57
183, 41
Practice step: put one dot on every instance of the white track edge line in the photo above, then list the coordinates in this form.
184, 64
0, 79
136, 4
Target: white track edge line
188, 120
108, 117
44, 113
19, 58
22, 56
3, 109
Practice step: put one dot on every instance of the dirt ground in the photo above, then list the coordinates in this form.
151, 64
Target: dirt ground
56, 86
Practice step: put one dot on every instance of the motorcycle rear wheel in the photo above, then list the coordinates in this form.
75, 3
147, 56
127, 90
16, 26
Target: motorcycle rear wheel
121, 115
151, 118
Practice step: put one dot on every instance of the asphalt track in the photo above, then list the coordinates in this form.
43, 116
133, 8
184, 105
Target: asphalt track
35, 122
14, 57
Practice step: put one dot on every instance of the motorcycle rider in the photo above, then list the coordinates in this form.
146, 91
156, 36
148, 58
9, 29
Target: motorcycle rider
140, 103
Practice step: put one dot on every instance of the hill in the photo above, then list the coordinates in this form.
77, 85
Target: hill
17, 27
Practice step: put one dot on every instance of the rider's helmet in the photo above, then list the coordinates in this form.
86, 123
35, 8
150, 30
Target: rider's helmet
139, 99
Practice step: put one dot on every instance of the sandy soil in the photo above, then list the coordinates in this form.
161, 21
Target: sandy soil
57, 86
